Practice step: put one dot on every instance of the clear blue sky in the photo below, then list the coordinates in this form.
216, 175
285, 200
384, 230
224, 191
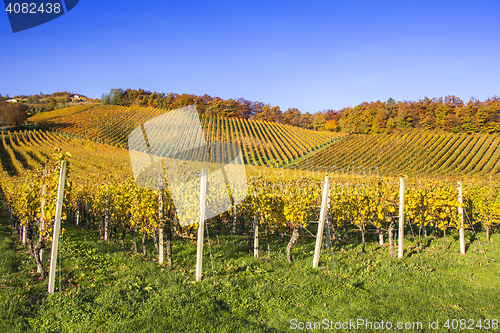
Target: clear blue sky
312, 55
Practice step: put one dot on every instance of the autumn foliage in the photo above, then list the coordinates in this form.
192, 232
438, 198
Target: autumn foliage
449, 113
12, 114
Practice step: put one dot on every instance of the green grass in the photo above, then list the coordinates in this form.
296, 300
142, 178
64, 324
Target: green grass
107, 289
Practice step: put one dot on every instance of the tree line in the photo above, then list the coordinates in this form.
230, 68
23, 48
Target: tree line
448, 114
216, 106
33, 104
12, 114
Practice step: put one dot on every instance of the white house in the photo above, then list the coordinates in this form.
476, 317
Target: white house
12, 100
75, 97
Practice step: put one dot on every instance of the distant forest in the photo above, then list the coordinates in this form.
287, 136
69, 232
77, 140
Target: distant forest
447, 114
46, 102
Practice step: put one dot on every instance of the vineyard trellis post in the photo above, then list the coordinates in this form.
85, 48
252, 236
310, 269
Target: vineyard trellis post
57, 227
256, 235
401, 231
106, 214
42, 215
201, 225
461, 215
255, 228
234, 219
160, 226
321, 222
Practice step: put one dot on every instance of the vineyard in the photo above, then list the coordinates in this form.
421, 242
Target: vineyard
250, 167
413, 153
102, 191
104, 207
263, 143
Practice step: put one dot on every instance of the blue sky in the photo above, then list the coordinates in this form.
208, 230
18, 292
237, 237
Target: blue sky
312, 55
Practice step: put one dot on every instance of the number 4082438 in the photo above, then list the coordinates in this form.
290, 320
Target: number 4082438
32, 8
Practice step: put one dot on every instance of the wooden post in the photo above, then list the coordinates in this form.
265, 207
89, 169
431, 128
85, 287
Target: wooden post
234, 219
461, 213
256, 235
42, 215
106, 217
160, 226
255, 228
201, 224
160, 245
57, 228
380, 237
321, 222
401, 227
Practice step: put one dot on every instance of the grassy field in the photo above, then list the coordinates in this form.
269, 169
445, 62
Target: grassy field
107, 289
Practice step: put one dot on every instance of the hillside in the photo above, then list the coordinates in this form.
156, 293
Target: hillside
429, 153
412, 153
30, 150
263, 143
99, 275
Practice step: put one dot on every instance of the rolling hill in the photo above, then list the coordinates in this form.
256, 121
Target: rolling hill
411, 153
263, 143
430, 154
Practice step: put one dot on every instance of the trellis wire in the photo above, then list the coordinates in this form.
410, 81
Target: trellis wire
480, 244
415, 240
210, 252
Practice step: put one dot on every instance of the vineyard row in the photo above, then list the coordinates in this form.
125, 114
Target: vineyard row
414, 153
